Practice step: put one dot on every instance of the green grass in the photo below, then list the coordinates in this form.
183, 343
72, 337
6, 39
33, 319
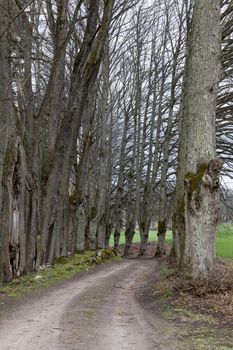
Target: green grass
32, 282
63, 269
224, 240
152, 237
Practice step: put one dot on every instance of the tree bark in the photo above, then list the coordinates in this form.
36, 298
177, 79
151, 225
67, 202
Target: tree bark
198, 166
7, 145
162, 221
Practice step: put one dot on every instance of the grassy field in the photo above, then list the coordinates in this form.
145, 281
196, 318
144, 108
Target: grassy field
152, 237
224, 240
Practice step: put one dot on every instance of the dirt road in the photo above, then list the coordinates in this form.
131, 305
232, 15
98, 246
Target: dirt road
97, 311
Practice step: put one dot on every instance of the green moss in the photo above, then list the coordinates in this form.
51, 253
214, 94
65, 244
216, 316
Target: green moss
73, 198
102, 256
93, 212
109, 252
8, 162
194, 179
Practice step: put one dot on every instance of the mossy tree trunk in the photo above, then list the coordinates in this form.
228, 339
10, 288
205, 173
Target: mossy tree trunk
198, 172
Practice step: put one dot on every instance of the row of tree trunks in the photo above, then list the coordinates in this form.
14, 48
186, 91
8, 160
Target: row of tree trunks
147, 205
85, 70
17, 211
27, 211
89, 132
163, 200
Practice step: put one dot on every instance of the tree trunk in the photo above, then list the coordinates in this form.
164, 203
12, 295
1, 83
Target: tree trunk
162, 222
81, 227
7, 143
103, 157
129, 234
120, 185
199, 168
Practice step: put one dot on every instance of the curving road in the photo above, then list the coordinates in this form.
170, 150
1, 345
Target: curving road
97, 311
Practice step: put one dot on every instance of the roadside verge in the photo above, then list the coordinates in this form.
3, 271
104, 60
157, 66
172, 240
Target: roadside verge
64, 268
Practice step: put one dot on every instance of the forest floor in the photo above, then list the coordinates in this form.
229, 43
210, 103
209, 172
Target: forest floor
118, 306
